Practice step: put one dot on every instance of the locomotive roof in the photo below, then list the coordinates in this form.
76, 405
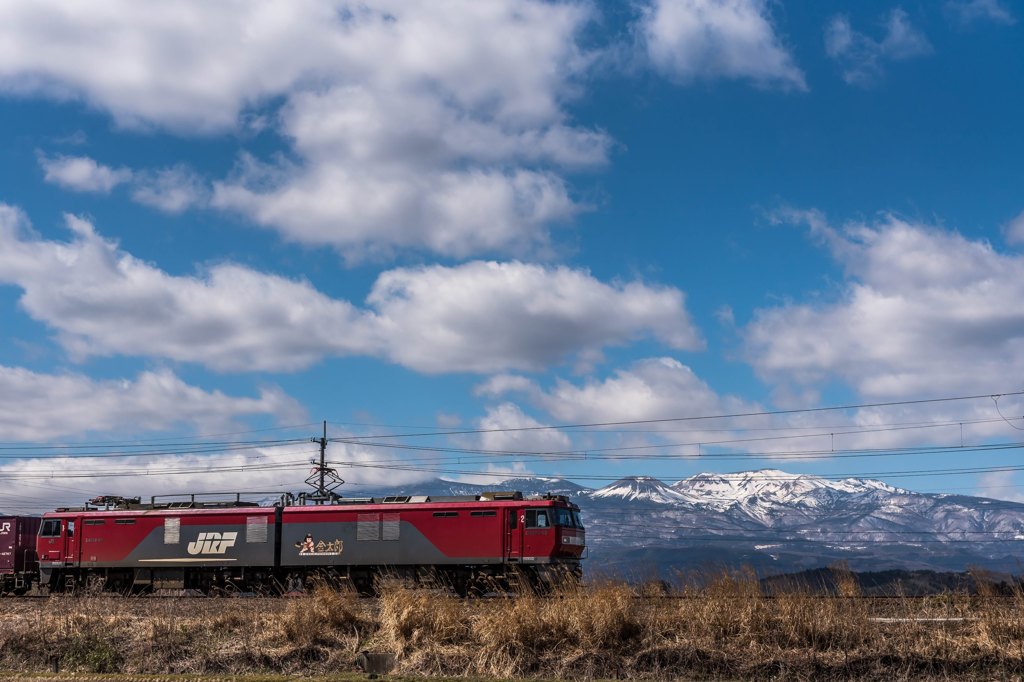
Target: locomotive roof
104, 504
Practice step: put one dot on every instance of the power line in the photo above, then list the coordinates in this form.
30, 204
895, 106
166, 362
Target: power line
596, 477
738, 415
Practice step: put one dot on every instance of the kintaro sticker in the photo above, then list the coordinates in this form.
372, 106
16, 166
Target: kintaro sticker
311, 547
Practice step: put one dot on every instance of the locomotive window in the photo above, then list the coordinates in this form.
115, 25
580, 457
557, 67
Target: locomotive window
71, 529
489, 512
536, 518
563, 517
513, 520
577, 519
124, 522
51, 528
94, 522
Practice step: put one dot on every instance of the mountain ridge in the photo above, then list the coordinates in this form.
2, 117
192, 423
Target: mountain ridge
779, 522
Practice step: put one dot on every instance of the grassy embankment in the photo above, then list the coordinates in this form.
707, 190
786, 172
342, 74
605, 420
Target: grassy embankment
726, 629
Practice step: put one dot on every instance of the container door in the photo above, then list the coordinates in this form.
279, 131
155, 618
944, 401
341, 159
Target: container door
513, 535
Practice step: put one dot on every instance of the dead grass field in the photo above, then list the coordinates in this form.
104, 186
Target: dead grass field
724, 630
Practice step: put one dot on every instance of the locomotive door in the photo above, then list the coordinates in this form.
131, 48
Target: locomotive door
70, 555
513, 535
538, 534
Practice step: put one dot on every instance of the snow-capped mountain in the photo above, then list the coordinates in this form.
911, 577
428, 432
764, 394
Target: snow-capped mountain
639, 488
779, 521
771, 487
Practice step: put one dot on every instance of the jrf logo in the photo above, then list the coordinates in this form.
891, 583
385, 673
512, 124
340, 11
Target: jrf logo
5, 527
212, 543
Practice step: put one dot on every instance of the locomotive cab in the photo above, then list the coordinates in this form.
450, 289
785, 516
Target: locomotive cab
547, 531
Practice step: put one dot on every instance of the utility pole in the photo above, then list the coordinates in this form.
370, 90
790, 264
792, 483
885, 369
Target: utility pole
321, 490
323, 479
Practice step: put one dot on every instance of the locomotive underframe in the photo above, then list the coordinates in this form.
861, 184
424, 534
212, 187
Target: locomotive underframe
226, 581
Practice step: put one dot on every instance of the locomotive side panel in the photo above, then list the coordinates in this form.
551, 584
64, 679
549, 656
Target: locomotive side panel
386, 535
165, 539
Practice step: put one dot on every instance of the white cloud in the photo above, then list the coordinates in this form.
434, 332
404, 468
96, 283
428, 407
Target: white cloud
683, 412
194, 66
697, 39
649, 389
1014, 230
450, 179
653, 388
82, 174
862, 58
500, 384
477, 317
487, 316
435, 125
171, 190
1000, 485
966, 12
191, 66
41, 484
506, 416
924, 311
40, 407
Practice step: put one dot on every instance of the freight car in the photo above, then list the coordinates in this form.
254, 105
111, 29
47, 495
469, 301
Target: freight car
19, 568
469, 542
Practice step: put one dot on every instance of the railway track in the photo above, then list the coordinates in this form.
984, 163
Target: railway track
934, 599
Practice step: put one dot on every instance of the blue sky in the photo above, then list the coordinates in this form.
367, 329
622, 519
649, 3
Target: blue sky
458, 216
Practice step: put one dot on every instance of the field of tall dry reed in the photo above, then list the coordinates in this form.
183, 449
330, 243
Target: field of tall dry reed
725, 629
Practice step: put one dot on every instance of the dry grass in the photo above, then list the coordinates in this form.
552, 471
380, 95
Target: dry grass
724, 629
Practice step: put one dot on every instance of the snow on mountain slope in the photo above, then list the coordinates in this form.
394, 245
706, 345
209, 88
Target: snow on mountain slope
770, 487
636, 488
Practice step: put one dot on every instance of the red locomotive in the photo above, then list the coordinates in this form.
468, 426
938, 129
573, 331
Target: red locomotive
468, 541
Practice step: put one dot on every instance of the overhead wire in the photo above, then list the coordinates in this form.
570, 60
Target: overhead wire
738, 415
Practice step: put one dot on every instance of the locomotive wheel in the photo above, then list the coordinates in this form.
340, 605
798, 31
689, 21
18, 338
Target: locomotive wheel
94, 583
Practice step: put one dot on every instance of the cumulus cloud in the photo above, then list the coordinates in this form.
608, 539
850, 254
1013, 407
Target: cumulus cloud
702, 39
500, 418
1014, 230
699, 421
862, 58
487, 316
649, 389
451, 179
923, 311
965, 12
476, 317
40, 484
412, 126
190, 66
171, 190
82, 174
36, 406
1000, 485
653, 388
